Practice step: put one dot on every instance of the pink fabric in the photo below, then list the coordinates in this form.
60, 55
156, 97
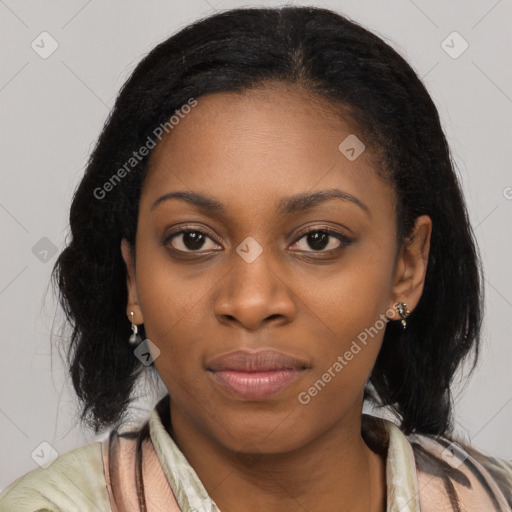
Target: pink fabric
121, 482
416, 474
422, 472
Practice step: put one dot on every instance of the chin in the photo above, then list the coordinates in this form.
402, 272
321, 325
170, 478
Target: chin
253, 432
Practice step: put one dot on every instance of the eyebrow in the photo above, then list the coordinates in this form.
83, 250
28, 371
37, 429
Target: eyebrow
286, 206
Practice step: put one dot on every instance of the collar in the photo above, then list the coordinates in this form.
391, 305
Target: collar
401, 476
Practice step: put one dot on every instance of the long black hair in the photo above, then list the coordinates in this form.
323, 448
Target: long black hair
337, 60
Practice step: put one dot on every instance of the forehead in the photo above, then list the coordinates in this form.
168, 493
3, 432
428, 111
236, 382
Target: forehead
259, 145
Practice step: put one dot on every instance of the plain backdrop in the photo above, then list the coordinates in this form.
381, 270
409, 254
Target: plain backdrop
53, 108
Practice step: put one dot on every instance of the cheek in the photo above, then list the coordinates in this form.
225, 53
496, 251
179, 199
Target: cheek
345, 299
342, 362
171, 308
170, 293
347, 315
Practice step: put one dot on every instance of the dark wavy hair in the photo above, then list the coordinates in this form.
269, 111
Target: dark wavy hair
337, 60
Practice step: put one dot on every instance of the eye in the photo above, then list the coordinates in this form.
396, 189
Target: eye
321, 238
191, 240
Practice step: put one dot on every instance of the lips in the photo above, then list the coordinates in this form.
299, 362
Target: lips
251, 375
256, 361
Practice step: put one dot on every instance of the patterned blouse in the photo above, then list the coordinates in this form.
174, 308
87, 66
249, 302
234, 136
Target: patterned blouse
145, 471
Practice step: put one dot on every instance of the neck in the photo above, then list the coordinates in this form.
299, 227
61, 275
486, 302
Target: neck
334, 472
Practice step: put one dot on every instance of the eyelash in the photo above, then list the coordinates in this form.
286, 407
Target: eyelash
345, 241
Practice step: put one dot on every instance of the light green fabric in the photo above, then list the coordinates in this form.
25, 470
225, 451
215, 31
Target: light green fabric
75, 481
189, 491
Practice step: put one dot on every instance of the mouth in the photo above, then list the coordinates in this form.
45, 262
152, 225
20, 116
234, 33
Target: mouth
255, 385
257, 375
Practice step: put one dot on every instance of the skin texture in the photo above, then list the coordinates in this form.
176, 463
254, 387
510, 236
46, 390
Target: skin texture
249, 151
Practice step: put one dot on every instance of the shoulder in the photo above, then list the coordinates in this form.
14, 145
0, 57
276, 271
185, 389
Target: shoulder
452, 474
499, 469
74, 481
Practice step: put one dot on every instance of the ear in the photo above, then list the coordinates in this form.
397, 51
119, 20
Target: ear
131, 286
411, 266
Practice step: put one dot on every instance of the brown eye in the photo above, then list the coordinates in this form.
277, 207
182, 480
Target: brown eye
190, 241
320, 239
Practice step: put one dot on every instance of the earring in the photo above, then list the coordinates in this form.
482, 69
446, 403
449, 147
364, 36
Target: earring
401, 307
134, 338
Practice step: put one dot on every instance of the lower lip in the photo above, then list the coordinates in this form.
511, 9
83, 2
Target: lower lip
255, 385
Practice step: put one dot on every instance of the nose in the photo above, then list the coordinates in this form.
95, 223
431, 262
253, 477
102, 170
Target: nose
254, 295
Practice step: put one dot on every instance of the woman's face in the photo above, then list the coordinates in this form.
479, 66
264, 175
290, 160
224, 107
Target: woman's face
247, 276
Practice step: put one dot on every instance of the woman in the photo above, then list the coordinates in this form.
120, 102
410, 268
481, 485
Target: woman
271, 224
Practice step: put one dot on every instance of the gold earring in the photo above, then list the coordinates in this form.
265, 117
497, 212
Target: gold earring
401, 307
134, 338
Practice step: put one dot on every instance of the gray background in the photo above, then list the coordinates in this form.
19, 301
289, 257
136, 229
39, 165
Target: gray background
52, 110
